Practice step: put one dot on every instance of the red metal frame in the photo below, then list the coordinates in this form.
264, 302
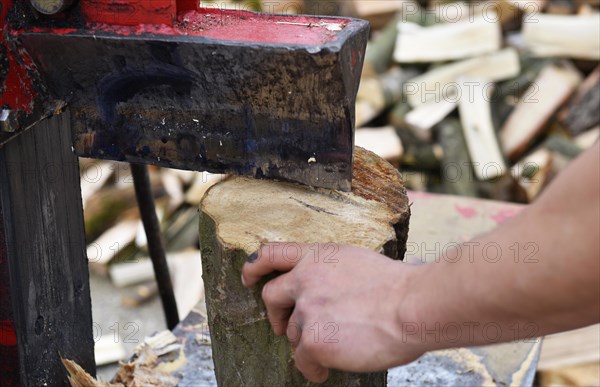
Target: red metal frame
163, 17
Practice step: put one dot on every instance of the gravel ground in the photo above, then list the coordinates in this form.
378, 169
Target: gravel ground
125, 325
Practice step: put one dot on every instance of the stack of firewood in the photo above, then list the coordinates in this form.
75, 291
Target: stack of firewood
488, 99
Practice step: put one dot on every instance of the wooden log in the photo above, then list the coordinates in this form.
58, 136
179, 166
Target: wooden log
107, 350
452, 12
586, 8
586, 139
384, 142
511, 12
565, 146
112, 243
560, 7
582, 113
182, 230
380, 50
570, 348
377, 12
506, 94
533, 172
441, 81
457, 176
548, 92
375, 94
419, 154
505, 188
113, 203
450, 41
585, 374
240, 213
201, 183
573, 36
174, 187
478, 128
93, 178
424, 117
320, 7
420, 15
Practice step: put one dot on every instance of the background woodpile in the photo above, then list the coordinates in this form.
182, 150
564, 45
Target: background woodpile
486, 99
489, 99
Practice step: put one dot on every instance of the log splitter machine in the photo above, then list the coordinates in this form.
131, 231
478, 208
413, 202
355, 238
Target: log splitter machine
172, 83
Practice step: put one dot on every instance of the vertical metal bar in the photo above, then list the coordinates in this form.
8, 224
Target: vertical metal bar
143, 192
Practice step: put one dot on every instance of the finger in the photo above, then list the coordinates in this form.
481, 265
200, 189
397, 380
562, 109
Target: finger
279, 300
294, 330
309, 367
271, 257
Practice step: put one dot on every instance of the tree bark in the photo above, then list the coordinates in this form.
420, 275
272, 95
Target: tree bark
240, 213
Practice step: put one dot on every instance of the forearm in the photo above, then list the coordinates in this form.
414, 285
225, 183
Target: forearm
536, 274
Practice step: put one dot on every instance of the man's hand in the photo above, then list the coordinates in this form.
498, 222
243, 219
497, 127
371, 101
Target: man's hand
347, 310
336, 304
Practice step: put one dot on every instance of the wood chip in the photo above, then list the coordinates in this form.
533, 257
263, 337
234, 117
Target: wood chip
78, 377
107, 350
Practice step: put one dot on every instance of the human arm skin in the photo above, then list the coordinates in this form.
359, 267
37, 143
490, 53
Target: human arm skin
387, 313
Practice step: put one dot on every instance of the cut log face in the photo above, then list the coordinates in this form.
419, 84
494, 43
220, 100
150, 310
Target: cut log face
239, 214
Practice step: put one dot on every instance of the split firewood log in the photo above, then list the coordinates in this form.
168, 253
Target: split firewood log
239, 214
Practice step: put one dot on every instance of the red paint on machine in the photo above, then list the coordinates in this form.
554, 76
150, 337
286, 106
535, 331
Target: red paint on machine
129, 12
241, 26
17, 91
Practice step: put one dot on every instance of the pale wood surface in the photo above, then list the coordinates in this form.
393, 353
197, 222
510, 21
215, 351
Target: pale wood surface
448, 41
574, 36
549, 91
239, 214
571, 348
478, 128
434, 84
